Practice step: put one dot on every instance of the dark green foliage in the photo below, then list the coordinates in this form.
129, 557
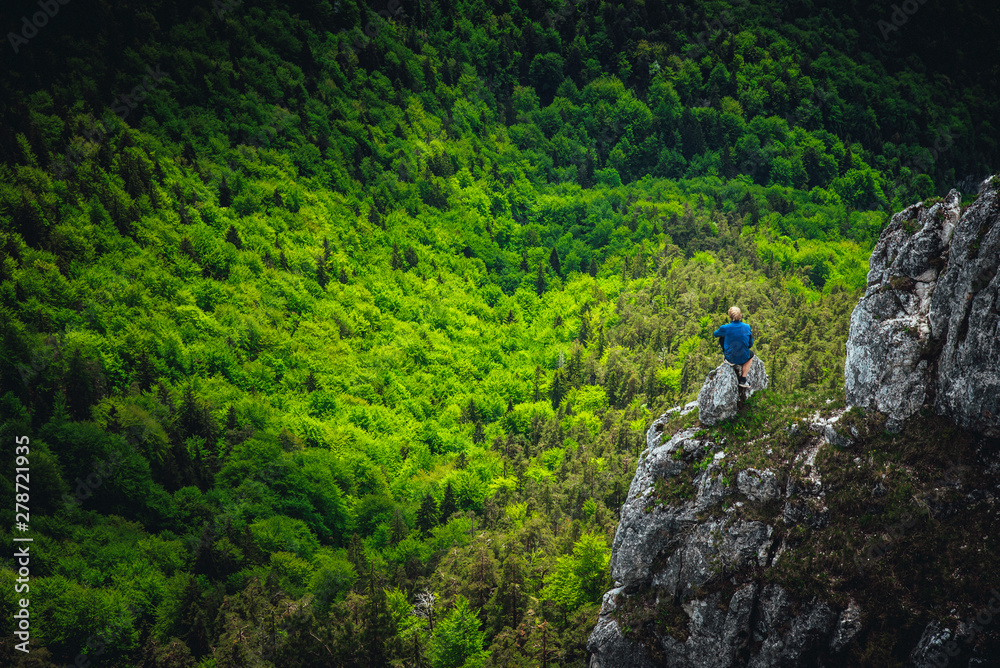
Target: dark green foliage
410, 255
396, 260
427, 514
540, 282
321, 275
448, 506
233, 237
225, 193
554, 262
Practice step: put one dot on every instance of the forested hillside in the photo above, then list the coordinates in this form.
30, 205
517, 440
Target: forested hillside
336, 331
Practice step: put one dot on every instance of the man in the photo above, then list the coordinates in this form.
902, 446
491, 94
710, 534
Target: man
736, 340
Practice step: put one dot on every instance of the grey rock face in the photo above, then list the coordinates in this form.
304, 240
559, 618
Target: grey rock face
826, 427
678, 552
927, 331
720, 395
931, 646
759, 486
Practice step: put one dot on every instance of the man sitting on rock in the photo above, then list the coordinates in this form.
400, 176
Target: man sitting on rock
736, 340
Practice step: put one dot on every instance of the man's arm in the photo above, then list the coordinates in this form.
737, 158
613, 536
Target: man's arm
750, 345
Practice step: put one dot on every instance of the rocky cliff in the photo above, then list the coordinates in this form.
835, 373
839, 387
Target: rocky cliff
808, 533
927, 331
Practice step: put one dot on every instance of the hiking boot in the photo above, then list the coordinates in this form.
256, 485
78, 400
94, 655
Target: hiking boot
744, 382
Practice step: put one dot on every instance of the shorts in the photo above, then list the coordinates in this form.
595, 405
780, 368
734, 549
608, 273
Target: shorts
737, 364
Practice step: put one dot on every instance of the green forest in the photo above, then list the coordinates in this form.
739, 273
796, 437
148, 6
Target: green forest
336, 330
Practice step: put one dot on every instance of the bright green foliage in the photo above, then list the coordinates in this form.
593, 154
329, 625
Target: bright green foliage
458, 640
580, 577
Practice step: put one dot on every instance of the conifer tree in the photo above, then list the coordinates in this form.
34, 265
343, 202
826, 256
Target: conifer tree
321, 275
225, 194
554, 262
427, 514
410, 255
448, 506
233, 237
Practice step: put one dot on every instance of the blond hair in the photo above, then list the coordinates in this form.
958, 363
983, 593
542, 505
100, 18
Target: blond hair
735, 314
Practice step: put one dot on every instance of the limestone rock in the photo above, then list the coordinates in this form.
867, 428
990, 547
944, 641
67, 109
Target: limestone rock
720, 394
679, 552
760, 486
927, 331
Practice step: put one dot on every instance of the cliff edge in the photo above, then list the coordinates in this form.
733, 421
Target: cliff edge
825, 532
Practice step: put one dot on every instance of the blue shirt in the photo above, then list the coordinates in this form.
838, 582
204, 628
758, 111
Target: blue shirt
737, 341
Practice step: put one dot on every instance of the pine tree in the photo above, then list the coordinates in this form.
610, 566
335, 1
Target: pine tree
397, 259
584, 334
427, 515
187, 248
728, 165
410, 255
374, 218
397, 526
79, 387
233, 237
559, 387
379, 624
448, 506
847, 162
458, 640
540, 278
554, 262
231, 422
225, 194
356, 553
321, 275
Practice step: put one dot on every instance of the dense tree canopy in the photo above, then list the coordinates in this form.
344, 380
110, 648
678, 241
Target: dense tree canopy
337, 330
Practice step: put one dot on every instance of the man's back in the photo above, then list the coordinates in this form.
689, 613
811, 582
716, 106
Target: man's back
737, 341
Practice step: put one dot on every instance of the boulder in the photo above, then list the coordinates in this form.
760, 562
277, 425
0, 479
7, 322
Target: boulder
927, 330
721, 394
